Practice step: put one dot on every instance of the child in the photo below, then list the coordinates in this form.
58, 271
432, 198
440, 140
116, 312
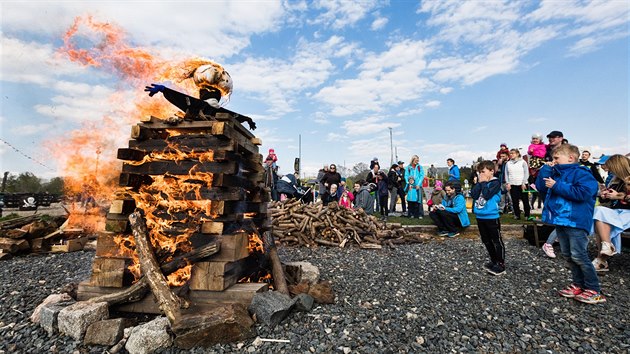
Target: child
346, 200
570, 192
271, 159
451, 215
413, 198
536, 151
516, 175
486, 195
502, 149
331, 195
437, 195
383, 192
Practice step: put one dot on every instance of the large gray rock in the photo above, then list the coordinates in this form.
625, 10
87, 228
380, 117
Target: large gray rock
75, 319
223, 324
302, 272
51, 299
149, 337
271, 307
48, 315
106, 332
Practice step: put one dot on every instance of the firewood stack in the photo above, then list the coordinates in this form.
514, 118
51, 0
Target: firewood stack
300, 224
198, 185
37, 234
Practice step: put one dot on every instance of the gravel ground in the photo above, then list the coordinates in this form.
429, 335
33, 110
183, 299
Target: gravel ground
431, 297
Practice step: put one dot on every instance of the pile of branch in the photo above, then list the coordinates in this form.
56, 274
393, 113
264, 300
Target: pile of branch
295, 223
38, 233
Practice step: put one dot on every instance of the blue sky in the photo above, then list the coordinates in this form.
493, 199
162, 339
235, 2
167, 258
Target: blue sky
451, 78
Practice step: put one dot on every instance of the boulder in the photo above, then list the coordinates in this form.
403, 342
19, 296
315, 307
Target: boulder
106, 332
51, 299
48, 315
271, 307
74, 320
149, 337
303, 302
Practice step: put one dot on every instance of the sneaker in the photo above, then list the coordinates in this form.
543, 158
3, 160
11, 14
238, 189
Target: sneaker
571, 291
531, 218
496, 269
590, 297
420, 217
600, 265
452, 234
607, 248
442, 233
548, 249
488, 265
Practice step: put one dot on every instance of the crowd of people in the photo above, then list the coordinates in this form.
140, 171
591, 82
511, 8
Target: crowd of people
556, 177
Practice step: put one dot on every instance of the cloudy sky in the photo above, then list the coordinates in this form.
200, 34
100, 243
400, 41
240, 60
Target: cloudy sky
450, 78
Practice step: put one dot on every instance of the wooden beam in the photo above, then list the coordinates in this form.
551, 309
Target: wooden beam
224, 129
212, 227
186, 143
133, 180
215, 276
107, 247
169, 303
108, 272
233, 247
181, 167
122, 206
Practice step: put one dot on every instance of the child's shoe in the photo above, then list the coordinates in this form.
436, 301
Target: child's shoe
590, 297
496, 269
548, 249
571, 291
442, 233
608, 249
452, 234
600, 265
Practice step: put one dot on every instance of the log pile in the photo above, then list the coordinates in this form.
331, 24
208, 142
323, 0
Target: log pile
38, 233
298, 224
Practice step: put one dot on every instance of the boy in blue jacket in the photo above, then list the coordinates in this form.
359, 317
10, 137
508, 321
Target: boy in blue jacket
486, 196
570, 191
451, 215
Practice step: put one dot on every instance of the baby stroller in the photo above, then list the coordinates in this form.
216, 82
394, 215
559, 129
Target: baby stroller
288, 187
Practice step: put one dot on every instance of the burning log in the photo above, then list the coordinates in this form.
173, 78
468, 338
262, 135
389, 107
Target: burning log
300, 224
169, 303
279, 281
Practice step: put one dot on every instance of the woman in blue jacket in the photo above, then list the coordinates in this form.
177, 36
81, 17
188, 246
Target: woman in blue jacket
451, 216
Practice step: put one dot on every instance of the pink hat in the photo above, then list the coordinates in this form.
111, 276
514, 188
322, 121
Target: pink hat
272, 150
438, 185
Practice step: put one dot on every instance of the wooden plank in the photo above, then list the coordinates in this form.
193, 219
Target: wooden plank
141, 132
130, 154
122, 206
224, 129
69, 246
106, 245
119, 226
212, 227
184, 125
256, 141
214, 276
185, 143
224, 116
133, 180
200, 299
233, 247
181, 167
108, 272
251, 163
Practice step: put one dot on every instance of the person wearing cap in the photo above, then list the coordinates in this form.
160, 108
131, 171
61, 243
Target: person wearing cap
401, 186
503, 148
584, 161
374, 162
331, 177
432, 174
555, 139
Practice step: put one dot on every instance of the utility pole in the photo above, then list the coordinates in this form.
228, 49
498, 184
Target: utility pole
300, 154
391, 147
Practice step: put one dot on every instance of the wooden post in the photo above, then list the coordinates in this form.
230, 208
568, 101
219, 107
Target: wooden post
279, 281
168, 302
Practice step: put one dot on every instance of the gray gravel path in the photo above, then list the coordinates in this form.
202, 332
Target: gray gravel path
431, 297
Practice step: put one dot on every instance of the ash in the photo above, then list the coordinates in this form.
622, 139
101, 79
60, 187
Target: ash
431, 297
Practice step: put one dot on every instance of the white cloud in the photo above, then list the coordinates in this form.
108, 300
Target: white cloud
216, 29
31, 129
479, 129
385, 79
379, 23
334, 137
446, 90
340, 13
372, 125
32, 62
433, 104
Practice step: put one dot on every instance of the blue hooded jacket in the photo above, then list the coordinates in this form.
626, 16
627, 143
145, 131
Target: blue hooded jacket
457, 205
571, 201
486, 197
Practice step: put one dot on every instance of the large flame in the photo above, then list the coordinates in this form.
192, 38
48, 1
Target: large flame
88, 154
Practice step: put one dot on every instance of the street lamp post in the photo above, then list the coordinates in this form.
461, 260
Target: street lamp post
391, 147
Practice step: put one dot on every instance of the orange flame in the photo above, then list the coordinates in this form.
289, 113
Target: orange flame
255, 244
